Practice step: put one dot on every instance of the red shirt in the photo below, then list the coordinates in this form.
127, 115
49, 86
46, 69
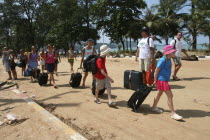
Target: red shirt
100, 62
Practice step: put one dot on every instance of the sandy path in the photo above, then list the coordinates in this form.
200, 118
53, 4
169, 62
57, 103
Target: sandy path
191, 99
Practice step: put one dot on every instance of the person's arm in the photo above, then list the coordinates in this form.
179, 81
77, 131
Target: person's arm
83, 54
156, 75
94, 50
151, 45
137, 53
58, 56
185, 52
29, 57
109, 78
37, 59
172, 42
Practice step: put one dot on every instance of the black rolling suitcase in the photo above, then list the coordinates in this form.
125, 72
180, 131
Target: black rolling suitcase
42, 79
138, 97
101, 92
133, 79
75, 79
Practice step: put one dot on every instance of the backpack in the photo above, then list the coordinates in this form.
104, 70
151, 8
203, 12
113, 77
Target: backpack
148, 40
174, 44
90, 64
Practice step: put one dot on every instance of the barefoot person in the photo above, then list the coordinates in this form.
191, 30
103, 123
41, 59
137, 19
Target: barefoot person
5, 61
56, 52
161, 78
12, 64
23, 60
87, 51
145, 53
50, 57
70, 56
33, 62
102, 78
177, 60
42, 60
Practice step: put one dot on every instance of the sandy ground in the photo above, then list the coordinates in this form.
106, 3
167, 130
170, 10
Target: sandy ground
76, 106
36, 127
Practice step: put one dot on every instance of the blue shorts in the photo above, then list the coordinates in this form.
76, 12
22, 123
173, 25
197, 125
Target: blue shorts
51, 67
32, 65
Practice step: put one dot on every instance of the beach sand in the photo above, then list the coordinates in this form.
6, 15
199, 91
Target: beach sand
77, 109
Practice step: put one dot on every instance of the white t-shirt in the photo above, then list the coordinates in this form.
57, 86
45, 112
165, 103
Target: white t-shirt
178, 47
144, 47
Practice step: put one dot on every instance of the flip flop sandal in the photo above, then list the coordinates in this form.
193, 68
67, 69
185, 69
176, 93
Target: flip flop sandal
112, 104
175, 78
55, 86
97, 101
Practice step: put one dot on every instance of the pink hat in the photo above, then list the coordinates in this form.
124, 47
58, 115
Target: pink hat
168, 49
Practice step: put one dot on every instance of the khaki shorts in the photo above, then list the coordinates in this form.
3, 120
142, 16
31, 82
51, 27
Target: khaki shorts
101, 84
177, 61
144, 64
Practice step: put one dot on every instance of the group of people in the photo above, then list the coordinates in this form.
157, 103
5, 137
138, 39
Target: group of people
162, 73
145, 56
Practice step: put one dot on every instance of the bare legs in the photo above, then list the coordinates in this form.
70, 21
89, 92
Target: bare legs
23, 69
84, 79
10, 75
176, 69
71, 65
56, 68
14, 74
43, 67
170, 100
52, 79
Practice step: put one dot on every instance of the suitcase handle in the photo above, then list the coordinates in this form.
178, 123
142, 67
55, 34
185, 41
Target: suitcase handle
130, 80
79, 68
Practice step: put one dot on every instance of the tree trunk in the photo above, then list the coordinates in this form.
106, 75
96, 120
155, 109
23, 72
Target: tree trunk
194, 35
194, 31
130, 45
209, 43
166, 39
122, 41
126, 43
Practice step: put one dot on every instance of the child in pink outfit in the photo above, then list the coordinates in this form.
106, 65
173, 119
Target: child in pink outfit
161, 78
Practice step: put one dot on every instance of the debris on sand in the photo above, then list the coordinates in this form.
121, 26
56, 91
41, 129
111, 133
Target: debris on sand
6, 85
12, 119
33, 96
8, 108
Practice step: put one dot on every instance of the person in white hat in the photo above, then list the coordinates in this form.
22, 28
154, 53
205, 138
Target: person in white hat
102, 78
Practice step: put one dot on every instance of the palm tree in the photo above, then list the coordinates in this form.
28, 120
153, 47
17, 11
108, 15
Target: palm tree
167, 19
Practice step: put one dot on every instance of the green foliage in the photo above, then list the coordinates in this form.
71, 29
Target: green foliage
24, 23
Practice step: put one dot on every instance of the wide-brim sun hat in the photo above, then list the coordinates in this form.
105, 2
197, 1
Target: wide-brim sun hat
168, 49
104, 49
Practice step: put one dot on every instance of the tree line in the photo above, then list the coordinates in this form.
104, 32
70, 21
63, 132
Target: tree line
24, 23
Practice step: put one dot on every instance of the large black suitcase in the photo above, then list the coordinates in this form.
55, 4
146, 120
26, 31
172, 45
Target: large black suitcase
133, 79
101, 92
42, 79
75, 79
138, 97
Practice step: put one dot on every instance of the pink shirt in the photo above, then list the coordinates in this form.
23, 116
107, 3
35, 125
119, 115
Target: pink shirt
50, 58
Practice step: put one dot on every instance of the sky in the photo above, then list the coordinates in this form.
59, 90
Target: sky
200, 39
